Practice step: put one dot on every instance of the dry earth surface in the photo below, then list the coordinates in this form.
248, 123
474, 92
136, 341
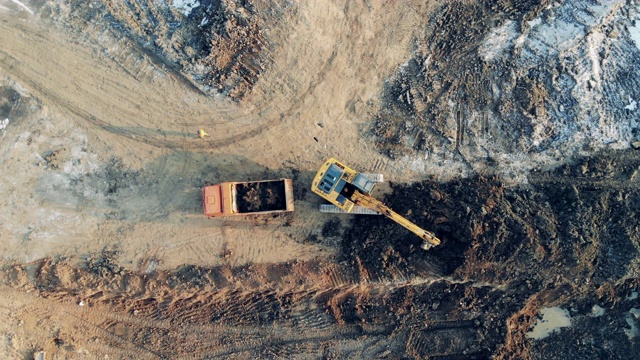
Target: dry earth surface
510, 128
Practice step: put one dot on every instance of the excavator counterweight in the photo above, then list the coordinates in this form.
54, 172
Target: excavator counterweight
346, 188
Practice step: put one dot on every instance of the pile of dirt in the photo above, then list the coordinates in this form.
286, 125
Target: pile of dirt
446, 69
234, 49
218, 46
486, 83
579, 219
567, 238
261, 196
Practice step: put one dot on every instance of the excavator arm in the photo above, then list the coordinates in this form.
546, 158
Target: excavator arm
365, 200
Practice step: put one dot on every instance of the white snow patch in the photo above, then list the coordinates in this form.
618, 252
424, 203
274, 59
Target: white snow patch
555, 34
23, 6
498, 41
552, 320
597, 311
535, 22
426, 63
634, 32
633, 295
631, 318
594, 41
632, 104
417, 164
186, 6
4, 123
560, 35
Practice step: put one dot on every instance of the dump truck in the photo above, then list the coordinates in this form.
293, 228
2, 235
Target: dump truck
247, 198
349, 190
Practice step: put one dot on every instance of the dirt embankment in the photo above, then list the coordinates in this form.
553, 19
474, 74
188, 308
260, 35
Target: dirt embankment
509, 86
221, 47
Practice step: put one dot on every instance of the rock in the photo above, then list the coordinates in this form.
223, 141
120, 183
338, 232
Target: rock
636, 145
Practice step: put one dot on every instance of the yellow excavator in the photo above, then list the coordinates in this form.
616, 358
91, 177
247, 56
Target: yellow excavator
348, 189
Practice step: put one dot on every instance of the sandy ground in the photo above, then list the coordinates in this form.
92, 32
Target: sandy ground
82, 108
89, 109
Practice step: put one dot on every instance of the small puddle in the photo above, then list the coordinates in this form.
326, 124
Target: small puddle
552, 320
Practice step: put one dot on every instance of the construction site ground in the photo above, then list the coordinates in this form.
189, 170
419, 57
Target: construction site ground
106, 253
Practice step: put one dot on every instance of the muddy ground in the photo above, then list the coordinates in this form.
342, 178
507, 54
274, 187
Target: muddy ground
505, 127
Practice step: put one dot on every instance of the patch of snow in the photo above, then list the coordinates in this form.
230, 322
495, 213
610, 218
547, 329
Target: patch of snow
4, 123
632, 104
634, 32
535, 22
633, 295
564, 30
417, 165
186, 6
426, 63
498, 41
594, 42
560, 35
552, 320
631, 318
597, 311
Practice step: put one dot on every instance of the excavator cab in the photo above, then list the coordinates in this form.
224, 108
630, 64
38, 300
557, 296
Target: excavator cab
335, 182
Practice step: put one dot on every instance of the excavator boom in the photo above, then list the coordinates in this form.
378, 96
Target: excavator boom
368, 201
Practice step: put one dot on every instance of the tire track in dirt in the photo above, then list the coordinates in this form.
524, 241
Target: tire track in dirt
15, 61
51, 82
247, 311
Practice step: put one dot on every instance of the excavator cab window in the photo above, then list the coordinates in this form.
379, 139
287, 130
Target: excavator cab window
329, 179
326, 187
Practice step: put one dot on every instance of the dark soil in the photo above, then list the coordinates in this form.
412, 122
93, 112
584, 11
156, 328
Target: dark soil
566, 239
263, 196
14, 106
